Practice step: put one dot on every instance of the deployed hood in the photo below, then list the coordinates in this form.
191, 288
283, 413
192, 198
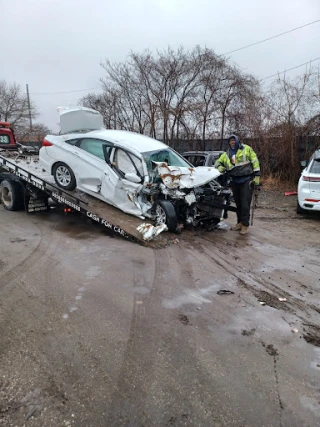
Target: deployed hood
77, 119
183, 177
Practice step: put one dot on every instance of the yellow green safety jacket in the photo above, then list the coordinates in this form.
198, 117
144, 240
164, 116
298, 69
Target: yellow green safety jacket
246, 163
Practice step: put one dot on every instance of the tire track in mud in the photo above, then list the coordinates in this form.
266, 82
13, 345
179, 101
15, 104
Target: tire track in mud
162, 380
303, 310
24, 315
195, 397
153, 337
143, 345
222, 264
252, 281
58, 355
15, 271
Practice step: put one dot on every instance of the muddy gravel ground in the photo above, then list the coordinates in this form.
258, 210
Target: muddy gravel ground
98, 331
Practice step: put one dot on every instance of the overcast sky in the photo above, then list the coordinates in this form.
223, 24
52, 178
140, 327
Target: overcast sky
57, 45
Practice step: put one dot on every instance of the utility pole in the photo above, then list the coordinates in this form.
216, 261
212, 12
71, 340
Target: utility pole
30, 119
114, 113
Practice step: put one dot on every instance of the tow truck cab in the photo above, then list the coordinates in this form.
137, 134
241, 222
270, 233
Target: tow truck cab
7, 137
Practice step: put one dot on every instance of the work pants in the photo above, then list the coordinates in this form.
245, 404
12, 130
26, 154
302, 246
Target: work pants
242, 194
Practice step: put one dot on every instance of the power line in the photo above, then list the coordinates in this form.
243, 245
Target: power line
289, 69
61, 93
227, 53
273, 37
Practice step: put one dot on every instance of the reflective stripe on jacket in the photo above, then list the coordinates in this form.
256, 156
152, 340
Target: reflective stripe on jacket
246, 162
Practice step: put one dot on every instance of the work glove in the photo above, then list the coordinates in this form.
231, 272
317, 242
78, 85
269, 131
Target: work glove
255, 183
221, 169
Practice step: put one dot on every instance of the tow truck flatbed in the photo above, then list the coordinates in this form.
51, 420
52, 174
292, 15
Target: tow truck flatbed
38, 186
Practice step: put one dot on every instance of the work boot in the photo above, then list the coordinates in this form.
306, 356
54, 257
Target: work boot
237, 227
244, 230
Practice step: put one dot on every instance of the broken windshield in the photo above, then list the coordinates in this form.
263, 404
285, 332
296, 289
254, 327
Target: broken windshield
168, 156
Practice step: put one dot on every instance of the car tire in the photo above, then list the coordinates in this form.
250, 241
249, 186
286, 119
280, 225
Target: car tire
11, 195
166, 214
64, 176
300, 210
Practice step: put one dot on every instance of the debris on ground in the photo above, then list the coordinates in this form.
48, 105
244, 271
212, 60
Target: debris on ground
222, 226
294, 330
282, 299
271, 350
224, 292
290, 193
312, 336
34, 402
267, 298
248, 333
149, 231
183, 319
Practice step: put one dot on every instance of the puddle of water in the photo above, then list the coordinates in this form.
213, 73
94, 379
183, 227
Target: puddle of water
142, 290
92, 272
89, 249
315, 364
191, 296
310, 403
274, 259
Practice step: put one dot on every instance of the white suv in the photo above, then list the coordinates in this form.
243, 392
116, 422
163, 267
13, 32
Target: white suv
309, 185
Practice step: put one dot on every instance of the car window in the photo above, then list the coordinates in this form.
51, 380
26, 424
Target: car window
72, 141
4, 139
138, 164
315, 167
199, 161
94, 147
167, 155
189, 158
127, 163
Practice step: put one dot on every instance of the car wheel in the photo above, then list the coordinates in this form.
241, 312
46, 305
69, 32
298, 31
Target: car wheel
11, 195
64, 176
300, 210
166, 214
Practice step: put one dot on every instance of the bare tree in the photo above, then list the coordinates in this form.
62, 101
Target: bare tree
14, 104
37, 134
173, 92
289, 106
198, 95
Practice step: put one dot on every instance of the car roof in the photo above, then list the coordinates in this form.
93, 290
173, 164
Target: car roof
316, 155
141, 143
202, 152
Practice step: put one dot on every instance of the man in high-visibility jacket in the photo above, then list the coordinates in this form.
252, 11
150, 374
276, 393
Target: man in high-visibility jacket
241, 163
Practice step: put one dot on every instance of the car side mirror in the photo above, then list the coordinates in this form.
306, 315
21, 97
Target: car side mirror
303, 163
132, 177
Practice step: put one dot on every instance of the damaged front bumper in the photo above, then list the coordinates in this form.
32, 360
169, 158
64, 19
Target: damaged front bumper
179, 197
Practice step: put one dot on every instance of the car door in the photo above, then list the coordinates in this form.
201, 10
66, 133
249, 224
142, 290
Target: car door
118, 186
90, 159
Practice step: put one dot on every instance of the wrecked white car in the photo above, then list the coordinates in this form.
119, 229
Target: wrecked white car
135, 173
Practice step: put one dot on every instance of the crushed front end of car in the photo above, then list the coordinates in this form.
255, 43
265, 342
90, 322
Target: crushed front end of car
195, 195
